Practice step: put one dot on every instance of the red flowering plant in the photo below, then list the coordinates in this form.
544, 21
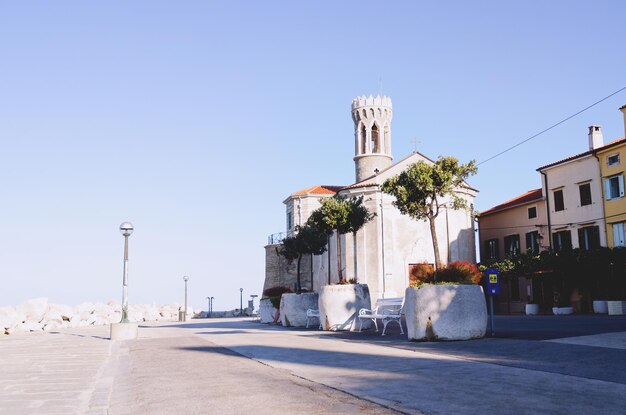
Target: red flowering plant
458, 272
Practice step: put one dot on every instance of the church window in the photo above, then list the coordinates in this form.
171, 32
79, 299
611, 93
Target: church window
363, 139
387, 139
375, 139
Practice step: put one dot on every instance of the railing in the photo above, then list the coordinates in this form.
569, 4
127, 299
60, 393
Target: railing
276, 238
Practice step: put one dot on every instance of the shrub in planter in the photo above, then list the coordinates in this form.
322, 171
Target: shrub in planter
274, 295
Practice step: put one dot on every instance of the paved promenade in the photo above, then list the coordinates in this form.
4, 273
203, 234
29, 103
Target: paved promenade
234, 366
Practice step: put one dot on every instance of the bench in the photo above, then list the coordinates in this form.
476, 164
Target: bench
387, 309
311, 313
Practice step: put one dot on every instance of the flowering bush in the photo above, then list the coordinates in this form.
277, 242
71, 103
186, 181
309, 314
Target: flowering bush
457, 272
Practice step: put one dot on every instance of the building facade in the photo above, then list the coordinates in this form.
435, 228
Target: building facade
386, 249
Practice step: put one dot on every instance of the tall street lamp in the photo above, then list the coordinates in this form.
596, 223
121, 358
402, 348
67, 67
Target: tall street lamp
126, 229
211, 307
185, 278
208, 310
125, 330
241, 301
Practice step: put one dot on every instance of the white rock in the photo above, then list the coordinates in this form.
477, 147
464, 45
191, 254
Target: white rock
65, 311
339, 305
8, 317
445, 312
32, 326
53, 325
293, 308
33, 309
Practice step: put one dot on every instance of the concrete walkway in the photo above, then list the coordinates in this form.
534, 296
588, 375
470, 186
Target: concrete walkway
234, 366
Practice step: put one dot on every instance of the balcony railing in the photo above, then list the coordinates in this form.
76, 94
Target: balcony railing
276, 238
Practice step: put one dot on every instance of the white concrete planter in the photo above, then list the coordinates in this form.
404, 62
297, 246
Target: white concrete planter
293, 308
616, 308
600, 307
562, 311
267, 311
532, 309
445, 312
339, 305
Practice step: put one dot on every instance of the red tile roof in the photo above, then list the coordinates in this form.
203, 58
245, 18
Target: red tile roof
530, 196
586, 153
318, 190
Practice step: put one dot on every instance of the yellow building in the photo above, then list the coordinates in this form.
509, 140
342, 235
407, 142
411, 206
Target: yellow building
612, 159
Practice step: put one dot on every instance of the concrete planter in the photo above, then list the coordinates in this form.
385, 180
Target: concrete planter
532, 309
600, 307
562, 311
293, 308
340, 304
267, 311
445, 312
616, 308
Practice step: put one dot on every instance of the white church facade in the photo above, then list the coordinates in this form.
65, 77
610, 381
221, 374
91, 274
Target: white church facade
391, 244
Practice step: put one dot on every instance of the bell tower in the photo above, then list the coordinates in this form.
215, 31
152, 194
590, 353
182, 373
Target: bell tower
372, 135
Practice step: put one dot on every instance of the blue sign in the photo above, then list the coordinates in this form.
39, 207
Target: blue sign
492, 276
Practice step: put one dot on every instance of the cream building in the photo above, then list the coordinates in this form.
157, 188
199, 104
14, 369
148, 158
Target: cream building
391, 244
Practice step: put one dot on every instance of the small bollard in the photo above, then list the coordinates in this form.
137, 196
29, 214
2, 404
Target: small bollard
181, 315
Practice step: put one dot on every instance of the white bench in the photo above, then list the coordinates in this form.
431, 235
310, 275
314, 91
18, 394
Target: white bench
311, 313
387, 309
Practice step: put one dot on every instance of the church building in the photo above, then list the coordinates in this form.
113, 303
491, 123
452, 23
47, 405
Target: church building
391, 246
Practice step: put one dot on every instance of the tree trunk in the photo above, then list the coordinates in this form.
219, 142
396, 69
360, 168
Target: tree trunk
356, 274
339, 273
433, 234
298, 283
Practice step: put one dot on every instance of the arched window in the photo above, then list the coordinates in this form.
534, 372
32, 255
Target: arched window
363, 135
375, 139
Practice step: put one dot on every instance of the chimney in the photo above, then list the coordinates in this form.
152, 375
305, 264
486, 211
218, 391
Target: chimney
623, 109
595, 137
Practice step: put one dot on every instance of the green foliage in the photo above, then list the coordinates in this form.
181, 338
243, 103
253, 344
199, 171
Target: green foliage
275, 293
308, 240
418, 188
342, 215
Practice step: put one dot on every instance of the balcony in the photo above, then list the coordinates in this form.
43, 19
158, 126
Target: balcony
277, 238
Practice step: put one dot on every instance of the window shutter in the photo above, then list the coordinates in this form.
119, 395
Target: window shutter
581, 239
607, 189
620, 178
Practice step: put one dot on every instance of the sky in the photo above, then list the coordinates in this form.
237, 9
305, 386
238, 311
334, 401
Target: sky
194, 120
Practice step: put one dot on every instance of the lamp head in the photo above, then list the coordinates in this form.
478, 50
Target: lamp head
126, 228
185, 278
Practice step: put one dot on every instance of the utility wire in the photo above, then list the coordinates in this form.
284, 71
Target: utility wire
552, 126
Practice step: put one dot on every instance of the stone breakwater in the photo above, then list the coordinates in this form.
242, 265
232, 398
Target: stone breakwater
37, 315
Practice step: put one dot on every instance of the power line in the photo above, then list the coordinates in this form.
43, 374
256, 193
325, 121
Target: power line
552, 126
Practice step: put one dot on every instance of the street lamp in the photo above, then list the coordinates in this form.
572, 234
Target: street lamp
211, 314
208, 310
185, 278
125, 330
241, 302
126, 229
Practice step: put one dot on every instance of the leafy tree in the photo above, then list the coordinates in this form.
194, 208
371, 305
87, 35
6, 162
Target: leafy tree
420, 187
358, 216
308, 240
341, 215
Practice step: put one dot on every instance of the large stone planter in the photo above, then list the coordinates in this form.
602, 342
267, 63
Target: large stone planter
445, 312
600, 307
267, 311
562, 311
616, 308
340, 304
293, 308
532, 309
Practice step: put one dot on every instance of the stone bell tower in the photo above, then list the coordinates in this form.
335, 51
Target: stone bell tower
372, 135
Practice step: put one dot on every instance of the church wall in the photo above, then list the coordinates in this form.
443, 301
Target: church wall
280, 273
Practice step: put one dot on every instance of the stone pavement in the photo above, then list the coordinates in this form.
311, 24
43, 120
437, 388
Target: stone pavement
233, 366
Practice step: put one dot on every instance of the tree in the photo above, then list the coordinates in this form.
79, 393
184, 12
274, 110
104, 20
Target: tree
307, 240
418, 189
340, 215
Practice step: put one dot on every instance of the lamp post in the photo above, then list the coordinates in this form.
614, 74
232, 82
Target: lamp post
125, 330
241, 302
126, 229
185, 278
208, 310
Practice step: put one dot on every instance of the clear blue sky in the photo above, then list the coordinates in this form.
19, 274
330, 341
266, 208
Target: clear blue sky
194, 120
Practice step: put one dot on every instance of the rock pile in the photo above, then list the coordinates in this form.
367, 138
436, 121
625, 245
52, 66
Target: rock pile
37, 314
